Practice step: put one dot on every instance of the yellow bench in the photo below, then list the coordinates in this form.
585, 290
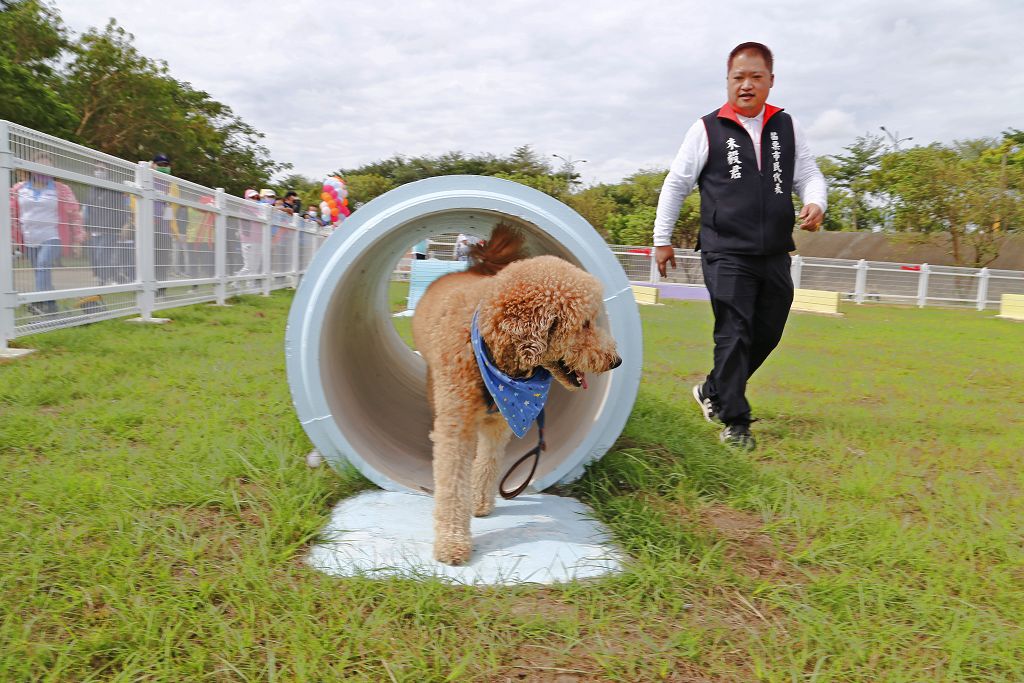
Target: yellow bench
645, 294
1011, 307
816, 301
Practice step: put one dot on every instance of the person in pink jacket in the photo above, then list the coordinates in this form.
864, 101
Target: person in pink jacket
47, 222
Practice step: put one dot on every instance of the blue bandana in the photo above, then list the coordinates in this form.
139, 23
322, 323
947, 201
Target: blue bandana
519, 400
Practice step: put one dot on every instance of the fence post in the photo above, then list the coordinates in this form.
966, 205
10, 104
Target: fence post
922, 286
297, 224
144, 241
220, 246
266, 247
655, 275
8, 294
795, 269
983, 277
860, 287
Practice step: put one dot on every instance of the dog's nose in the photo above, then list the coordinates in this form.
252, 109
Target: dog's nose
616, 363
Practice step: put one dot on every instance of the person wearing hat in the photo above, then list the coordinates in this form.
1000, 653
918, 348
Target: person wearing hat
267, 196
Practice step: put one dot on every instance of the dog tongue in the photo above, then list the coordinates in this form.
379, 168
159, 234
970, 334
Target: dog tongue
583, 380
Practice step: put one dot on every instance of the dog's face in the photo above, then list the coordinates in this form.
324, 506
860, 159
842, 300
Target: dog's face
543, 313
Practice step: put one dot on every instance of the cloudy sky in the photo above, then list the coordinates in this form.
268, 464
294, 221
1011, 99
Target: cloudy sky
338, 84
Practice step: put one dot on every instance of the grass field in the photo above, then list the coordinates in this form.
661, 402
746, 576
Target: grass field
156, 510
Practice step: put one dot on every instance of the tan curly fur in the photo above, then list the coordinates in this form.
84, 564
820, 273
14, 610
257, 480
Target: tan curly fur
535, 312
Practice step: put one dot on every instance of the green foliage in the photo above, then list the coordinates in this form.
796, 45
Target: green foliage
524, 165
969, 192
129, 106
595, 206
638, 190
308, 188
549, 184
633, 228
851, 183
524, 162
362, 187
32, 39
636, 202
100, 91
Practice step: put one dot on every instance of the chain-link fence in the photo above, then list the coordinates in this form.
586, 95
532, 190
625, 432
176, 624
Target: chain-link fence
89, 236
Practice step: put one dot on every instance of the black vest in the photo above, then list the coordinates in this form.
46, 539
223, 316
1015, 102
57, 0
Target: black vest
743, 209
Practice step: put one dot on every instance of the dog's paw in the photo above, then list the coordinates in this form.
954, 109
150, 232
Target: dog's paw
453, 551
484, 507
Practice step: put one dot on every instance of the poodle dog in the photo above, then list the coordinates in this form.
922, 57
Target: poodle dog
535, 316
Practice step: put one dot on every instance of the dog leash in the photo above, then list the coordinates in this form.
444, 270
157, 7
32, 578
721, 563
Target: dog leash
532, 453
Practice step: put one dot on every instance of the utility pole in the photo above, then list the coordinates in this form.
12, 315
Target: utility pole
570, 169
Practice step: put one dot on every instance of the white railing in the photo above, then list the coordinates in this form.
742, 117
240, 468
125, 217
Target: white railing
128, 240
859, 281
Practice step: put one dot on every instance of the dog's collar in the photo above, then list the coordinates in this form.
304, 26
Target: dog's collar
520, 401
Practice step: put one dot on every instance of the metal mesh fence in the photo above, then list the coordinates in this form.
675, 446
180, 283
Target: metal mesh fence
88, 236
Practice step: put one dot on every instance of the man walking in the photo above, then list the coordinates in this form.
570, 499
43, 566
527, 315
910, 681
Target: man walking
748, 157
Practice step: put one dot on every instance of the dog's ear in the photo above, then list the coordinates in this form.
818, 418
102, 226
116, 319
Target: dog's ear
521, 332
533, 344
528, 332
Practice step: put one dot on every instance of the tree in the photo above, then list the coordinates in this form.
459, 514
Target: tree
129, 106
308, 189
595, 206
640, 189
552, 185
362, 187
399, 170
962, 192
32, 39
633, 228
850, 184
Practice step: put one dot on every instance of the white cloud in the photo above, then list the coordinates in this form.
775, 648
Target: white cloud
832, 127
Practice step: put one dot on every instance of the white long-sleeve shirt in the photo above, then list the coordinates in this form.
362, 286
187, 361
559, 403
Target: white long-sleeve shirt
808, 181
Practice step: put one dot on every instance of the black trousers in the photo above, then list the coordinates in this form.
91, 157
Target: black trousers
750, 297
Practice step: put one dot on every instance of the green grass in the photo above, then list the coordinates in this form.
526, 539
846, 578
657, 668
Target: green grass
157, 509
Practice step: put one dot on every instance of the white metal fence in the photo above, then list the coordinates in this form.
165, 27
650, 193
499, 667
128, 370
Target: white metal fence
859, 281
88, 236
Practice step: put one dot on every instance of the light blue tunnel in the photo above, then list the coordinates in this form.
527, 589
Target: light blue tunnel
360, 391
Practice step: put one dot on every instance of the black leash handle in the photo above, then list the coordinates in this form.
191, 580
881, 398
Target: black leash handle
532, 453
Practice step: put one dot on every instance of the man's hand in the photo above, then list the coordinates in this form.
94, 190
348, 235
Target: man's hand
810, 217
666, 254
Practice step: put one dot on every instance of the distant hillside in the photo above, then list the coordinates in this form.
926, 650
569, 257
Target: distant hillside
872, 246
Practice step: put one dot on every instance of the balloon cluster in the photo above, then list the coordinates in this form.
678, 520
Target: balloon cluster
335, 200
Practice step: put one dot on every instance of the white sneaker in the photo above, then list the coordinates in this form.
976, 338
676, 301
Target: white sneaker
738, 436
706, 406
